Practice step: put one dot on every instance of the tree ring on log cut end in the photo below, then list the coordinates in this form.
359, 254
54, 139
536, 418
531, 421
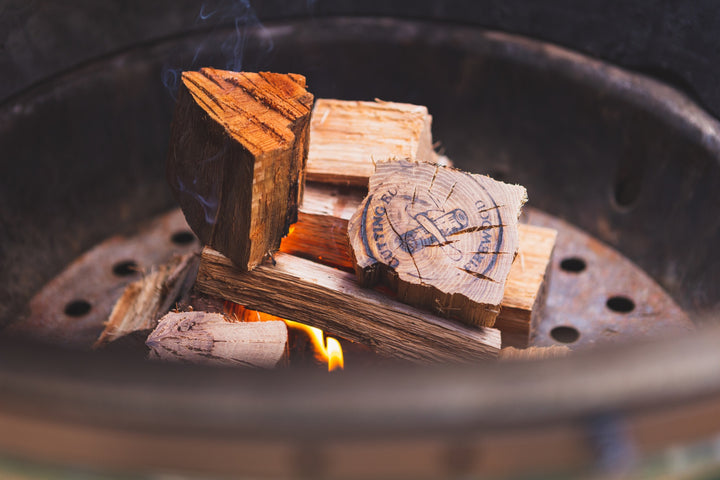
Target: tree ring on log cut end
443, 238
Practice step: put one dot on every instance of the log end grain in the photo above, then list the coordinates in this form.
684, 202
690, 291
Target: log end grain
444, 239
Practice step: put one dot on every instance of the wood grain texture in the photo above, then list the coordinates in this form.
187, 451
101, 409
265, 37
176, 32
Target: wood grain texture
321, 238
533, 353
144, 301
527, 285
327, 298
209, 338
340, 202
349, 137
320, 233
238, 147
442, 238
324, 216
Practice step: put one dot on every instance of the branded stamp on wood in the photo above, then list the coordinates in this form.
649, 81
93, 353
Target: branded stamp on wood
442, 238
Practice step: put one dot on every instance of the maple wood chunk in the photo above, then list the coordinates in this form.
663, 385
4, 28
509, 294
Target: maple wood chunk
443, 238
209, 338
347, 138
238, 147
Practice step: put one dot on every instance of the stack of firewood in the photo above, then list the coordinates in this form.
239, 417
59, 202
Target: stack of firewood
384, 244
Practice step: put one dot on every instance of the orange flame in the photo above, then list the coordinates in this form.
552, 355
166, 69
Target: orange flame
335, 355
305, 239
327, 349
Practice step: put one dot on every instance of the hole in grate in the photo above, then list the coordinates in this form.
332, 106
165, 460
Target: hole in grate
620, 304
573, 264
77, 308
565, 334
125, 268
184, 237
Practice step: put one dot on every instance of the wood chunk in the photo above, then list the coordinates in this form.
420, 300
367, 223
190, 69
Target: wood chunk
321, 231
145, 300
238, 147
442, 238
209, 338
339, 202
327, 209
349, 137
526, 287
198, 301
321, 238
533, 353
303, 291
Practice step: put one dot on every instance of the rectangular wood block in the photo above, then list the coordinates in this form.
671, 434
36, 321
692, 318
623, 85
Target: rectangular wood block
348, 137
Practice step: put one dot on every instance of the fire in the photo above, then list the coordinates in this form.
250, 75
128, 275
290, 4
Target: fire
304, 238
327, 349
335, 355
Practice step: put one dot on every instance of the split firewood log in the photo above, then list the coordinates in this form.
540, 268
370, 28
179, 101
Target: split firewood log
238, 147
330, 299
210, 338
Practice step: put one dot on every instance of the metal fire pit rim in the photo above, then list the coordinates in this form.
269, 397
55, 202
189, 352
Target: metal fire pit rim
682, 111
125, 393
654, 95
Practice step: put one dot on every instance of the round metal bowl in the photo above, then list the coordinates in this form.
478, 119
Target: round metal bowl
630, 160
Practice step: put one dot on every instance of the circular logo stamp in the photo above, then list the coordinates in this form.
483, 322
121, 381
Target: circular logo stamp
435, 228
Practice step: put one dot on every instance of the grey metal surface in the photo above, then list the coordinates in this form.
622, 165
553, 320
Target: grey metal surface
596, 297
97, 278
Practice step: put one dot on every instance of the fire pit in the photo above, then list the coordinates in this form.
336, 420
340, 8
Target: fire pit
631, 161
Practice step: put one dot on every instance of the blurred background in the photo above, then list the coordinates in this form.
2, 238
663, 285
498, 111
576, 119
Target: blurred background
605, 110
